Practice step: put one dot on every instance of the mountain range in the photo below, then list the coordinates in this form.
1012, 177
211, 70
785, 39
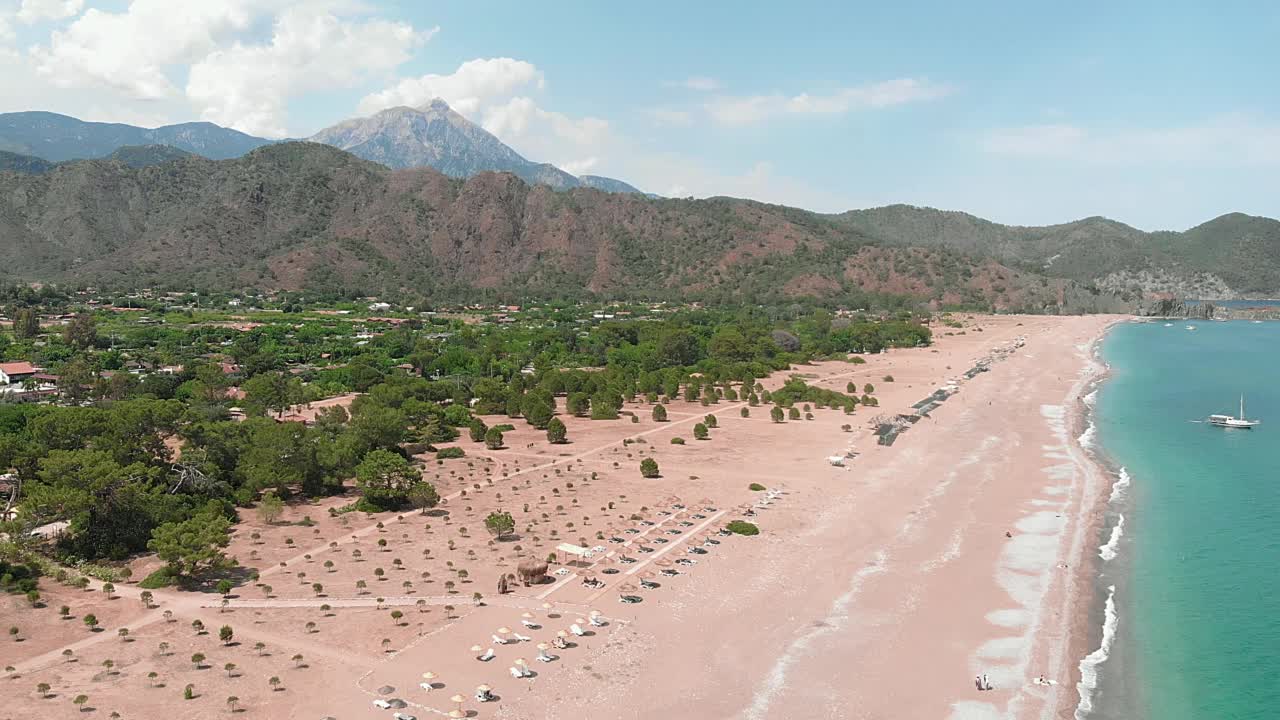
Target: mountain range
302, 214
434, 136
308, 216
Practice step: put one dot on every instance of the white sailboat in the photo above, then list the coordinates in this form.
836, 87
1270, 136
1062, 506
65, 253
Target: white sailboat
1231, 421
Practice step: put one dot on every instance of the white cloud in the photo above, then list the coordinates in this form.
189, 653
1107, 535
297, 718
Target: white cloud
133, 51
747, 110
248, 86
1225, 141
474, 87
33, 11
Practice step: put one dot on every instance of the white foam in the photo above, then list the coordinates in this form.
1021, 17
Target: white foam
1119, 486
974, 710
1086, 438
1108, 552
1089, 665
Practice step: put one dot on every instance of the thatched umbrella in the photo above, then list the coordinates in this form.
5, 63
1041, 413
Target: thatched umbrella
664, 562
504, 630
386, 690
627, 588
526, 615
476, 649
458, 699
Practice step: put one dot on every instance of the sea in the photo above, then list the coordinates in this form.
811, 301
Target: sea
1188, 593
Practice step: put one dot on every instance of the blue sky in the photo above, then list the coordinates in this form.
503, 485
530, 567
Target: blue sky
1162, 115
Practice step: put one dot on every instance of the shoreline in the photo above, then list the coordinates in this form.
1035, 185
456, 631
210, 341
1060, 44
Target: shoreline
1085, 607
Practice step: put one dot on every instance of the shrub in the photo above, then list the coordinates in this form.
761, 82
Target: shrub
677, 441
649, 468
493, 439
857, 360
711, 421
476, 430
775, 413
742, 527
700, 432
755, 487
888, 378
556, 431
745, 412
659, 413
164, 577
450, 453
793, 413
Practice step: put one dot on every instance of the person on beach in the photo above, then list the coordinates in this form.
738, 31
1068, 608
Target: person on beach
977, 680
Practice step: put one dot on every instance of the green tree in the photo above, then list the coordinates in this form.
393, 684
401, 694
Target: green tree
270, 507
272, 391
556, 431
711, 421
476, 429
91, 621
80, 701
793, 413
500, 523
81, 332
776, 414
225, 634
423, 496
659, 413
26, 324
493, 439
578, 403
385, 478
192, 545
700, 432
649, 468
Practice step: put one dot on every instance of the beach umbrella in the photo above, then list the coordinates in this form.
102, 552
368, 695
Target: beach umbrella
483, 689
504, 630
520, 661
562, 634
458, 699
594, 613
476, 648
543, 646
527, 615
580, 621
428, 675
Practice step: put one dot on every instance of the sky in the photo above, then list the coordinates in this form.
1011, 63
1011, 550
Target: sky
1159, 114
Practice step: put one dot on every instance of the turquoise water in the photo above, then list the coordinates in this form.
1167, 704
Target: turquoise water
1197, 571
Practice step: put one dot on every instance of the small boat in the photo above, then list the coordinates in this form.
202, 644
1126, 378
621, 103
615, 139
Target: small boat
1191, 327
1231, 421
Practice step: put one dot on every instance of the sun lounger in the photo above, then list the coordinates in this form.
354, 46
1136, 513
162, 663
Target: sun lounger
500, 641
426, 686
521, 638
515, 672
531, 624
577, 630
487, 656
597, 622
544, 657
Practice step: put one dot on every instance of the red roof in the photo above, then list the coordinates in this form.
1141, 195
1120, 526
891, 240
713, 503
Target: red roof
17, 368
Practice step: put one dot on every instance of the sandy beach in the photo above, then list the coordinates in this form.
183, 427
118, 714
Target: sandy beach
879, 589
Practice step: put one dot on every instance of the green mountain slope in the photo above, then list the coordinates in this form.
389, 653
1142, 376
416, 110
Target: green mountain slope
1234, 255
304, 215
